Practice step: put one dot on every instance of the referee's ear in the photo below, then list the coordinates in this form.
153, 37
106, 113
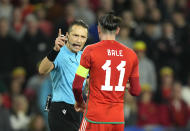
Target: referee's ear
117, 30
99, 29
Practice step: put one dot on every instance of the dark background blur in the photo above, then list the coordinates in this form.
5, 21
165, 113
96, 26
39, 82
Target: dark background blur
157, 30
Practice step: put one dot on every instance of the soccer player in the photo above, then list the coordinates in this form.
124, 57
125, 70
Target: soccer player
62, 63
110, 65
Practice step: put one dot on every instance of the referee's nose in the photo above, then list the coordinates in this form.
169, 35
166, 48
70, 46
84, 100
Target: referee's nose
79, 40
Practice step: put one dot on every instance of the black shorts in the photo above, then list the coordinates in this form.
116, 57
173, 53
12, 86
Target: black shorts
63, 117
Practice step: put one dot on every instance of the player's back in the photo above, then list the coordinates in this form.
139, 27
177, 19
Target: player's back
111, 66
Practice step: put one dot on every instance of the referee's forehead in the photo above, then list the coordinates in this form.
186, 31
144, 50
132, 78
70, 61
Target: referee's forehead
78, 29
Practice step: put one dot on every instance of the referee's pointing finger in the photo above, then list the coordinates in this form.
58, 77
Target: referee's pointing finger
59, 34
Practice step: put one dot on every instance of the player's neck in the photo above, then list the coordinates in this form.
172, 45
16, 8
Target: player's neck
107, 37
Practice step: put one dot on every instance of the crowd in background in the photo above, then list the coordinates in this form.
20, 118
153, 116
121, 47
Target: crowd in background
157, 30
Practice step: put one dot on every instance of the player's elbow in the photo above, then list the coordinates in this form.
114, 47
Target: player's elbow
77, 84
136, 92
75, 88
135, 88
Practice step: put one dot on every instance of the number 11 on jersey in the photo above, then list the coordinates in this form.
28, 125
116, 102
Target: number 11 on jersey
107, 68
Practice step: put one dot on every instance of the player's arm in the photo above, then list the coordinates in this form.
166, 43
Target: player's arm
80, 76
46, 64
135, 88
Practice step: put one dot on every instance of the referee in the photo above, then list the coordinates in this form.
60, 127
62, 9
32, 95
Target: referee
62, 63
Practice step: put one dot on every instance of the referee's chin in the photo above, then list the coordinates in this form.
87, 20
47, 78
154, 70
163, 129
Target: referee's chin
74, 48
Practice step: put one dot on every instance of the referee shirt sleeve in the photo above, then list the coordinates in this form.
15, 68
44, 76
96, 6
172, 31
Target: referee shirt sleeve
56, 61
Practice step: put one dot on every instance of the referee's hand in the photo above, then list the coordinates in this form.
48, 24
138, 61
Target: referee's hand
60, 41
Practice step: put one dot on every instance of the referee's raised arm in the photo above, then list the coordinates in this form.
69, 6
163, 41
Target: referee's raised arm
46, 64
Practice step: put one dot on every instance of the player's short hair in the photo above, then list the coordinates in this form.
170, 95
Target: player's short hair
109, 22
79, 23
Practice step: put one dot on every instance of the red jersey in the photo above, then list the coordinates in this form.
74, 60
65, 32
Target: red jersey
110, 64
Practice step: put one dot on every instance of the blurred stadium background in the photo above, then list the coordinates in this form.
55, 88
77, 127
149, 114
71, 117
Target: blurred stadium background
158, 30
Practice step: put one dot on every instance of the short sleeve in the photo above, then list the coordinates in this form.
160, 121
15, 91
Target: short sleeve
135, 68
58, 60
85, 58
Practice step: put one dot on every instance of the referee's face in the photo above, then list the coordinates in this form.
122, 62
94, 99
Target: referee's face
77, 38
